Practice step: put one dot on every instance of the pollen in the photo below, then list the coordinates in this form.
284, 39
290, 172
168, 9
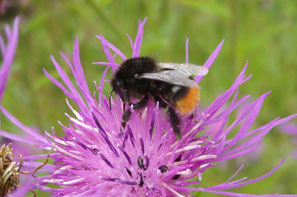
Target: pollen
189, 101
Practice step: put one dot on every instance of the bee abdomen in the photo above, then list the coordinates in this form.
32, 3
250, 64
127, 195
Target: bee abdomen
188, 102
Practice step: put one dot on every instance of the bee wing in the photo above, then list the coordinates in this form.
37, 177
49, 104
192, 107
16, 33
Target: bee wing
170, 76
186, 69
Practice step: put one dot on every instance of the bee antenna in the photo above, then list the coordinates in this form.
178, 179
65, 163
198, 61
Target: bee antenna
109, 98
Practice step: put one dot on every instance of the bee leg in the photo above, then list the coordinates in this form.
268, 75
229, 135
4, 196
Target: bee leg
161, 102
126, 117
141, 103
127, 113
109, 98
175, 122
173, 117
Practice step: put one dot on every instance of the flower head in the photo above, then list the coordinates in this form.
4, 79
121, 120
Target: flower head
9, 165
94, 158
7, 52
9, 171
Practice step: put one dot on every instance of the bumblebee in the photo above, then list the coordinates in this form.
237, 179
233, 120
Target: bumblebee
170, 84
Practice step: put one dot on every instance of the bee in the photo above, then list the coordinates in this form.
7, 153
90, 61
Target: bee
170, 84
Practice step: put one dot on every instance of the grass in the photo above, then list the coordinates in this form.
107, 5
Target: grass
263, 32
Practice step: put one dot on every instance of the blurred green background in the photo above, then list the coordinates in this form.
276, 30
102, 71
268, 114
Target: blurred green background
264, 32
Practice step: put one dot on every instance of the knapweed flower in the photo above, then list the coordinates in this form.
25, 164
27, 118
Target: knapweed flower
94, 158
7, 52
9, 166
9, 171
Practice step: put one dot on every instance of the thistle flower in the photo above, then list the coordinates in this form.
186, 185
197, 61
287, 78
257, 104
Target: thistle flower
94, 159
9, 166
9, 171
7, 52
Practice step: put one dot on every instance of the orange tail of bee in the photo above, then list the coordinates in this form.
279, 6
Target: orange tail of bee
189, 102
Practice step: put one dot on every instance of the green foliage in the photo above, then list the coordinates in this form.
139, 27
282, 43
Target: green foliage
261, 31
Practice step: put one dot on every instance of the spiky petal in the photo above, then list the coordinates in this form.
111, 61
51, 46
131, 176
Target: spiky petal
94, 158
7, 52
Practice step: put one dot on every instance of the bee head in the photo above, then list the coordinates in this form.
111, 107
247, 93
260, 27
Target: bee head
118, 87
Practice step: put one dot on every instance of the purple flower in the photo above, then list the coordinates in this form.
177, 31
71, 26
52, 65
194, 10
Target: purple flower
7, 52
9, 167
94, 159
